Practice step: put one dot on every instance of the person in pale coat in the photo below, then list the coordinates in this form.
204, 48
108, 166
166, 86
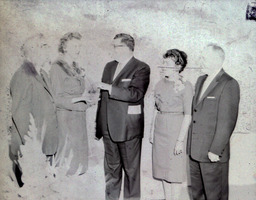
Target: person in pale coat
31, 94
71, 91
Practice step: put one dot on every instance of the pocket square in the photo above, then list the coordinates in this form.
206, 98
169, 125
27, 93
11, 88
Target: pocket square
211, 97
126, 80
134, 110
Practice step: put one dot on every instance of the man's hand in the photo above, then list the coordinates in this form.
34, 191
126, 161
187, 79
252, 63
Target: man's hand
103, 86
213, 157
151, 140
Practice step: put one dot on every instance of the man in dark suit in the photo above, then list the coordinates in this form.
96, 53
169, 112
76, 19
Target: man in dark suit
31, 94
215, 111
120, 118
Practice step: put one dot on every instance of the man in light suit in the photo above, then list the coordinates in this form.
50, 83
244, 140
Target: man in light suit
30, 93
215, 110
120, 118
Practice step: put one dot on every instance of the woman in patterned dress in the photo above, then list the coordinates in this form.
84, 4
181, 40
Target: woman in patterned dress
173, 98
68, 83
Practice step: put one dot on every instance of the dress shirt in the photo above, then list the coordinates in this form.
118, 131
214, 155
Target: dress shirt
120, 66
208, 81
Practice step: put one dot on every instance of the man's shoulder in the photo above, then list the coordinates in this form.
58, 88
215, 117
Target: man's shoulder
228, 76
29, 69
111, 63
23, 77
141, 63
24, 71
231, 81
228, 79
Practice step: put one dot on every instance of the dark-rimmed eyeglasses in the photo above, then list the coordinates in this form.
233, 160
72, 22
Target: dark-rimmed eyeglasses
116, 46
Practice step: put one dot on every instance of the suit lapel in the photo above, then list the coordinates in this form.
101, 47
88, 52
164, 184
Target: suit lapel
109, 73
43, 83
212, 85
124, 70
46, 81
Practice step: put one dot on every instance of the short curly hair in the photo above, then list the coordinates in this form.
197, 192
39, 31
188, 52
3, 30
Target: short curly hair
180, 57
67, 37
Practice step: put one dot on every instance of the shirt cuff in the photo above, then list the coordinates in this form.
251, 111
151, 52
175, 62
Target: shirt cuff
110, 90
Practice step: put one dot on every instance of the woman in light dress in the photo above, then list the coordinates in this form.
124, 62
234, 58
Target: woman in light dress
172, 117
69, 83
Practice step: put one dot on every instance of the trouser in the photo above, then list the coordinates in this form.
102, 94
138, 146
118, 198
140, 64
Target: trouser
122, 155
209, 181
16, 167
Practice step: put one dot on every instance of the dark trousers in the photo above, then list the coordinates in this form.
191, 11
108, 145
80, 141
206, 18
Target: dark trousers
122, 155
209, 181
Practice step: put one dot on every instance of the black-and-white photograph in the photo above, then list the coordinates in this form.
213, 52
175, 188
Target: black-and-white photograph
129, 100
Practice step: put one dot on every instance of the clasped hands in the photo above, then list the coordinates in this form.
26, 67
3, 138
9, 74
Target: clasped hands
103, 86
90, 98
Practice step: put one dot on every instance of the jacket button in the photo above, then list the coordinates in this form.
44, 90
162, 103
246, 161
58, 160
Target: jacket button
195, 110
194, 121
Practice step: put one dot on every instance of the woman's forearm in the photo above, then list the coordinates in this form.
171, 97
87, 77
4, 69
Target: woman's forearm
184, 127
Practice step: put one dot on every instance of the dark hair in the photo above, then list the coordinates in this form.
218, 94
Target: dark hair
67, 37
126, 39
180, 57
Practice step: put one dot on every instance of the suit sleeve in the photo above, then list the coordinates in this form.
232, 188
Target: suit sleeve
98, 133
136, 89
61, 100
227, 116
21, 89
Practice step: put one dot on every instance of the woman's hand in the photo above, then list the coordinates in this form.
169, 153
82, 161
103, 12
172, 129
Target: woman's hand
178, 147
82, 98
151, 141
90, 99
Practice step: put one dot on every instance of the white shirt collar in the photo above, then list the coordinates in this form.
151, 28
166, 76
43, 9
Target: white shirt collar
125, 62
213, 75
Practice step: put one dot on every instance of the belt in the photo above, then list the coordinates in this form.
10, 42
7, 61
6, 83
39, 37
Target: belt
169, 112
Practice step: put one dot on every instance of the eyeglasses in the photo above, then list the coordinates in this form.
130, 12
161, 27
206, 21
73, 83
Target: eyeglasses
116, 46
166, 67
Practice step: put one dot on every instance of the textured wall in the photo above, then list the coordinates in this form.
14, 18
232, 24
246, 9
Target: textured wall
156, 27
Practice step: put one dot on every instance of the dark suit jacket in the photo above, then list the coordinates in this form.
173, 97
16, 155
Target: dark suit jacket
30, 94
214, 117
115, 110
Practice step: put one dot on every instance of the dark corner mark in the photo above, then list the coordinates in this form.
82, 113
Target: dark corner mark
251, 11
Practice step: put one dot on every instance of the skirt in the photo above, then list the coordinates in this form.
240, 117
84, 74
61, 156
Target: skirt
167, 166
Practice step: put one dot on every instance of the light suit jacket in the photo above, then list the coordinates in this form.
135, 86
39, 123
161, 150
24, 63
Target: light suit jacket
31, 94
